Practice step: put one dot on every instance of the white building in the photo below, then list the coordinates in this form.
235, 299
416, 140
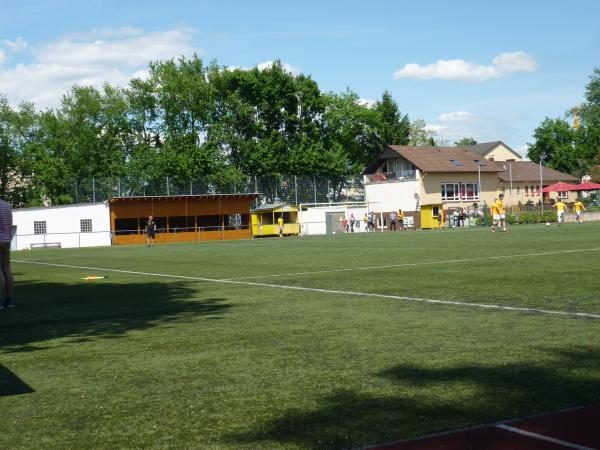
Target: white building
326, 218
81, 225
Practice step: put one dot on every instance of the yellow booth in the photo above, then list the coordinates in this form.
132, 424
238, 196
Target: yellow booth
429, 216
264, 220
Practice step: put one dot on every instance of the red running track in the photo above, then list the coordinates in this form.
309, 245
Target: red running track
571, 429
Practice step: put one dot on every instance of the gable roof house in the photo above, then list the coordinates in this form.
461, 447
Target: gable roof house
429, 179
433, 178
496, 151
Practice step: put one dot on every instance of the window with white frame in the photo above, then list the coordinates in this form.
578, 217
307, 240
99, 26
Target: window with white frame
537, 190
450, 191
469, 191
85, 225
460, 191
39, 227
563, 195
526, 191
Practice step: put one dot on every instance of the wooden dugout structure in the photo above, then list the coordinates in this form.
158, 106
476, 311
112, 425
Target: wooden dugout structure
264, 220
181, 218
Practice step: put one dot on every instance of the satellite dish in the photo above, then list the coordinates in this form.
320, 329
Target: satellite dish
416, 196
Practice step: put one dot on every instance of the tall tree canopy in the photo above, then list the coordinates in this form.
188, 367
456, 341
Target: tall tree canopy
576, 151
188, 120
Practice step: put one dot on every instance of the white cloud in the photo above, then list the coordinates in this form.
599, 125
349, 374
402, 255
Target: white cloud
453, 126
435, 128
455, 116
286, 66
2, 57
368, 102
114, 56
502, 66
16, 46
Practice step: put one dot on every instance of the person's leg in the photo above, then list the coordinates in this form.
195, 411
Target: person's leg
7, 273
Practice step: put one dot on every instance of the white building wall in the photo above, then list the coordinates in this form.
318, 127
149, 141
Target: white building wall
63, 225
391, 195
313, 220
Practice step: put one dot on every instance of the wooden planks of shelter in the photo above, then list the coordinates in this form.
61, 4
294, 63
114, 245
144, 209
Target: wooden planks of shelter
181, 218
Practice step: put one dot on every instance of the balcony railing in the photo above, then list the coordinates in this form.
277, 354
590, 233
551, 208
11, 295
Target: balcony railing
385, 177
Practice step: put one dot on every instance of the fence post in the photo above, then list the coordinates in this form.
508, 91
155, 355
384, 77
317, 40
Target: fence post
94, 189
315, 187
119, 179
167, 185
296, 189
191, 188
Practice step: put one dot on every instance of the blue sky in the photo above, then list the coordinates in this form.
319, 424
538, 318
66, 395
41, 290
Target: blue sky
490, 70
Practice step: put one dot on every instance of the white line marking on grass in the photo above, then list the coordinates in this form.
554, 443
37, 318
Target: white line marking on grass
424, 263
326, 291
543, 437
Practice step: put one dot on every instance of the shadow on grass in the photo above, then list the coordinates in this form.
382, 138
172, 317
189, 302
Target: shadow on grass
86, 311
10, 384
435, 399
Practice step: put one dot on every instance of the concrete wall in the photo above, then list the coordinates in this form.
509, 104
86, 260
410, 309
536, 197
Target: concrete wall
431, 193
63, 225
390, 196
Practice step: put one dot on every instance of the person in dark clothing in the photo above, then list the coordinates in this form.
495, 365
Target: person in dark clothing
151, 231
6, 235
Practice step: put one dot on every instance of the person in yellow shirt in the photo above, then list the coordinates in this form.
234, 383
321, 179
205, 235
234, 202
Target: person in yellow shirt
498, 215
280, 223
578, 209
400, 217
561, 208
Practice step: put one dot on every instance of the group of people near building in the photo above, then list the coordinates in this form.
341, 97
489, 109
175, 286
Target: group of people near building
369, 220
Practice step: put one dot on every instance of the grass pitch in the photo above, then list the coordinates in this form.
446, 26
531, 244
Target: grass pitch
152, 361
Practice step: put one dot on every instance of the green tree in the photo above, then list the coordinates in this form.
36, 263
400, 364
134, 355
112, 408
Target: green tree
554, 145
419, 134
465, 141
393, 128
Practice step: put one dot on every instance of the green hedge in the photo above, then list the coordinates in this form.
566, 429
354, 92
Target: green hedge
519, 218
530, 217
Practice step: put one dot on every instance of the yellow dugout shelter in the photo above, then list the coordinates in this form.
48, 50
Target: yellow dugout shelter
264, 220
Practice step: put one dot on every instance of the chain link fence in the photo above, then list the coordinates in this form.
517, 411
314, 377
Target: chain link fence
289, 189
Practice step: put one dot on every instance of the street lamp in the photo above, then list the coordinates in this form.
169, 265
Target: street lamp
542, 183
479, 164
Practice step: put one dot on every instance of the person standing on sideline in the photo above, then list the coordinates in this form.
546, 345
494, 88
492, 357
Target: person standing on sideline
393, 219
561, 208
371, 223
344, 222
6, 235
280, 224
498, 216
352, 222
578, 209
400, 216
366, 222
151, 231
